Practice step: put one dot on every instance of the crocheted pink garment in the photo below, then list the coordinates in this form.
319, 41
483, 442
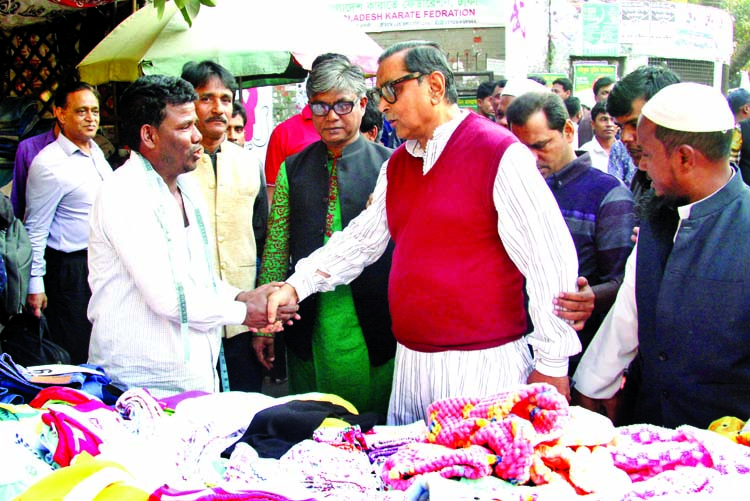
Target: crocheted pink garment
510, 424
644, 451
400, 469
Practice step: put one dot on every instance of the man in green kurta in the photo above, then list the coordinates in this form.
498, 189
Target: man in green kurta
343, 344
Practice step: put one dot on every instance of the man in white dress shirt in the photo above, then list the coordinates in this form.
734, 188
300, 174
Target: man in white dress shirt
484, 223
157, 305
62, 183
604, 128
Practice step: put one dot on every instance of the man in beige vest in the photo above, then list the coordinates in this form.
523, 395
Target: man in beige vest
228, 177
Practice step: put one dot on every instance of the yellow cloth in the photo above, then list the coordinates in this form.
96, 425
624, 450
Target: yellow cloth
86, 479
733, 428
734, 155
230, 195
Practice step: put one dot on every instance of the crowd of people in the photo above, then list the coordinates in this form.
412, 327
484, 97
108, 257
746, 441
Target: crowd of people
395, 249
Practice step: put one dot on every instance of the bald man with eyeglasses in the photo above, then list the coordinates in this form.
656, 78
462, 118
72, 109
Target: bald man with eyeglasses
474, 227
343, 344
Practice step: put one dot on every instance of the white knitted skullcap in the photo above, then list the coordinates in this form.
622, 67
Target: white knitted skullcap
690, 107
518, 86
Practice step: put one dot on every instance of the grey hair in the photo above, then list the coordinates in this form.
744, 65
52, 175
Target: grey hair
425, 57
336, 74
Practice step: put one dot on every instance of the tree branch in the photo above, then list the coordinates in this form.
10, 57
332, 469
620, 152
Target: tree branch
741, 57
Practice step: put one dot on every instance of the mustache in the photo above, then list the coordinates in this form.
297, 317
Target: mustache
220, 118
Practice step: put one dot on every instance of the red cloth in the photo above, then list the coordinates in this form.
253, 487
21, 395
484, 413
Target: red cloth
452, 285
60, 394
288, 138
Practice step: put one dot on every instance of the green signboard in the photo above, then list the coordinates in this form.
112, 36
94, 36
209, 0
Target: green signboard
584, 76
601, 29
469, 102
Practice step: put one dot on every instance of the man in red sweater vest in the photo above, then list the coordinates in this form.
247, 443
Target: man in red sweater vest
474, 228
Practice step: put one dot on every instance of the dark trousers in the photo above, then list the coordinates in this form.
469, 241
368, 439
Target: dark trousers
243, 368
68, 293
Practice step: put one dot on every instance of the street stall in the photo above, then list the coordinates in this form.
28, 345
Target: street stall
66, 436
67, 433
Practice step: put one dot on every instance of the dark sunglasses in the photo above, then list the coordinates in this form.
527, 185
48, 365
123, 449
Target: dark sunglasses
387, 90
320, 109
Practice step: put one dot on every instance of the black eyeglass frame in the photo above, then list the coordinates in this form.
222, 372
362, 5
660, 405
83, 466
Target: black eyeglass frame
387, 90
328, 107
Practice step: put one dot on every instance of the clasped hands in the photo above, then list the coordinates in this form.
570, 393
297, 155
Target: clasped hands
261, 315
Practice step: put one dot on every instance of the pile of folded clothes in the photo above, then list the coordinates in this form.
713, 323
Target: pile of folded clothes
67, 433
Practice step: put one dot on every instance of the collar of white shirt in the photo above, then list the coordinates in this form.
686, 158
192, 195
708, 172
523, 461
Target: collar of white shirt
436, 145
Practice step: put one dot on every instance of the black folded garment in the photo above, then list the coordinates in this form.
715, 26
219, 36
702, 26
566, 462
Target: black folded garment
275, 430
17, 113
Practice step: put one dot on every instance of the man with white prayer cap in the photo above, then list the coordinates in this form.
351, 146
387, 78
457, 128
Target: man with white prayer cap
683, 306
514, 88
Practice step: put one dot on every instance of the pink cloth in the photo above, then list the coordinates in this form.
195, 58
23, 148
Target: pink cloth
166, 493
510, 424
453, 421
73, 437
82, 428
644, 451
402, 468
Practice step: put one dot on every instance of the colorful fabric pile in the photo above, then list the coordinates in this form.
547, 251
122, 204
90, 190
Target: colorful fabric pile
528, 444
515, 446
506, 431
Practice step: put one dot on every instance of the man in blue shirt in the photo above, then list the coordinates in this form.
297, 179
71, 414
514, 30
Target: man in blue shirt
62, 183
597, 207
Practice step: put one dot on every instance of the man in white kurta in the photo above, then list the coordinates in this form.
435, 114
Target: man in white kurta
157, 306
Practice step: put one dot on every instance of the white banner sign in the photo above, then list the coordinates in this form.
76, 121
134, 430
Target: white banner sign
400, 15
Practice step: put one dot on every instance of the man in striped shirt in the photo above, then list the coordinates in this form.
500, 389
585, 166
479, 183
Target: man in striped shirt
472, 229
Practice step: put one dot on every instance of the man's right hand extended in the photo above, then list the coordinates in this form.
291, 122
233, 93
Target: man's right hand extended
285, 295
35, 303
257, 301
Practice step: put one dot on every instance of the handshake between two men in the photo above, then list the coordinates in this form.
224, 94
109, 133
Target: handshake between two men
281, 304
264, 316
269, 307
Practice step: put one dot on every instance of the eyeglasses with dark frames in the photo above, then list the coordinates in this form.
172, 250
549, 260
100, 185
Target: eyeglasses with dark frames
321, 109
387, 90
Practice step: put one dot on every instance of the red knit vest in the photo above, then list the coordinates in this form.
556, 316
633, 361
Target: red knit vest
452, 285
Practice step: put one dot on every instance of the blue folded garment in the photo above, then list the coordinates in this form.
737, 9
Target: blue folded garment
15, 380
